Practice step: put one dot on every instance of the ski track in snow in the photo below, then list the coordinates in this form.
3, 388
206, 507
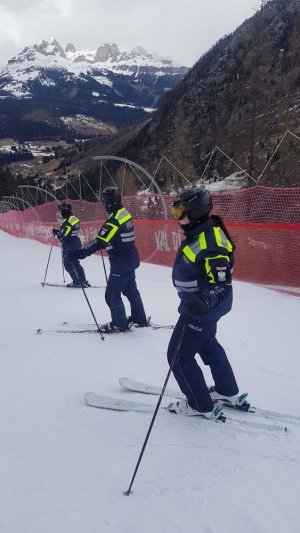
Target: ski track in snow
64, 466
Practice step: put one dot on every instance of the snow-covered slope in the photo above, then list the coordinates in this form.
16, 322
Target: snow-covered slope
64, 466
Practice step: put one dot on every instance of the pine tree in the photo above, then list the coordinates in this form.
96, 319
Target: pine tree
8, 182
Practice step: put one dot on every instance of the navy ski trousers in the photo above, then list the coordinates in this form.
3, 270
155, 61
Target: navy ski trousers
189, 338
73, 266
118, 284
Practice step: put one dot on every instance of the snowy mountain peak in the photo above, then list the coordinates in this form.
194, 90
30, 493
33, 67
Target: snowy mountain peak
139, 50
46, 48
106, 53
70, 48
52, 48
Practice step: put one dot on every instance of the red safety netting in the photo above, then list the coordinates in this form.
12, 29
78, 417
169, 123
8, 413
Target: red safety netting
264, 223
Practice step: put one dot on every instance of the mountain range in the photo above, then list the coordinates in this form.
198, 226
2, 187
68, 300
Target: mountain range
45, 89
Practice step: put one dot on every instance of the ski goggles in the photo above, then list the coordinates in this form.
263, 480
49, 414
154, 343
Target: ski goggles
178, 211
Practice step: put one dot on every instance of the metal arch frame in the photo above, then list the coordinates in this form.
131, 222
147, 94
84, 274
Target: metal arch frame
10, 204
139, 167
25, 202
39, 189
6, 198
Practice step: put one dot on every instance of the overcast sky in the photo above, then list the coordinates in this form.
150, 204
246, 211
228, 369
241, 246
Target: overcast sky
180, 29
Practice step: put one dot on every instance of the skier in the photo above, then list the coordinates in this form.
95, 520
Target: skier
202, 277
117, 236
68, 235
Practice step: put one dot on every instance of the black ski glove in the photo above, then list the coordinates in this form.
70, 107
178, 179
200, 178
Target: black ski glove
56, 233
198, 307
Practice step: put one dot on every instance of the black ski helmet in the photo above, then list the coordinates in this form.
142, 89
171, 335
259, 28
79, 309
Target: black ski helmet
65, 209
110, 196
194, 201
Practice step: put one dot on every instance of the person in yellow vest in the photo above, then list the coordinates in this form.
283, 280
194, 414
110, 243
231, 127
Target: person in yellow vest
202, 275
118, 238
68, 234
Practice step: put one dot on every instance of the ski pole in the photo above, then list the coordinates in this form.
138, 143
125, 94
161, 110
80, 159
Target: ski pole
63, 265
104, 266
93, 315
128, 491
43, 282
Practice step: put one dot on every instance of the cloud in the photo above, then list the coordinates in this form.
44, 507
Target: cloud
24, 6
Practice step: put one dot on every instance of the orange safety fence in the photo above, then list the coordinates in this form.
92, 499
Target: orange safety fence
263, 222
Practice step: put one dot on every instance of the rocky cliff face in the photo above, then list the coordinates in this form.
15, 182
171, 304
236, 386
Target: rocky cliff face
240, 98
46, 82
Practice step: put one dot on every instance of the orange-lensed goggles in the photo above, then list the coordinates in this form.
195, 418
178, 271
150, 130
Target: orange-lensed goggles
178, 211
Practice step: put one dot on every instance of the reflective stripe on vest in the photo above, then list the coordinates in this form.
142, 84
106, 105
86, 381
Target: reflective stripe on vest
72, 220
186, 286
192, 250
111, 233
208, 269
127, 237
221, 239
122, 215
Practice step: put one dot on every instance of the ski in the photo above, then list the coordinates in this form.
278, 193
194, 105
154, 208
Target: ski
265, 413
105, 402
115, 404
52, 284
150, 324
132, 327
41, 331
145, 388
162, 326
64, 285
85, 329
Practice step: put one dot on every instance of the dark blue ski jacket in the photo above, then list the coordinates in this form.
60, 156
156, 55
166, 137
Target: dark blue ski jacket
117, 236
202, 270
